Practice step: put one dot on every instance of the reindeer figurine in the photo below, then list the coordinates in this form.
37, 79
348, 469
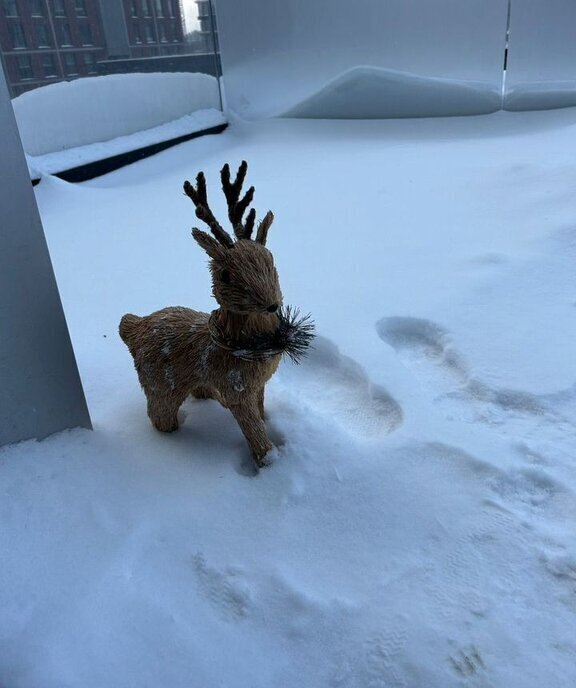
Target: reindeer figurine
230, 354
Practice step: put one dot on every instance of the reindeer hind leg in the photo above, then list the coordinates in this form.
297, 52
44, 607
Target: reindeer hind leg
163, 411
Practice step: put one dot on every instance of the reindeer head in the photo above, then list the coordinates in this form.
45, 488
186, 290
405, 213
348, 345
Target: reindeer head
244, 279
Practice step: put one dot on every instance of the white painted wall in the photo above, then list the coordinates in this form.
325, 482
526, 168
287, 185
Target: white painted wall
541, 70
362, 58
40, 390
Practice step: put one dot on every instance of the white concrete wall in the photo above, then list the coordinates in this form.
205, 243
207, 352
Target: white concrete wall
362, 58
541, 70
40, 390
395, 58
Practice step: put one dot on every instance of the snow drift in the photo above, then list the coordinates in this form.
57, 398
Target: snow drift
541, 95
52, 163
85, 111
372, 93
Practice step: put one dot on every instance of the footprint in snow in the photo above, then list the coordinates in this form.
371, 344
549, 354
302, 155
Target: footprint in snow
562, 569
426, 349
375, 661
226, 591
467, 662
533, 493
335, 386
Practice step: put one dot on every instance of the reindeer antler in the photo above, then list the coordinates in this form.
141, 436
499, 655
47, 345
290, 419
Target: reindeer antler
236, 207
203, 212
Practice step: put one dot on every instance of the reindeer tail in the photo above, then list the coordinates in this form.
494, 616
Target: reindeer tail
128, 326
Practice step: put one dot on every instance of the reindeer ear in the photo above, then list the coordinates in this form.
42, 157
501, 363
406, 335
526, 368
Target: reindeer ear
263, 228
210, 245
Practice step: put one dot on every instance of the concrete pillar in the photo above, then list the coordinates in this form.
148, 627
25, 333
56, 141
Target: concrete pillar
40, 389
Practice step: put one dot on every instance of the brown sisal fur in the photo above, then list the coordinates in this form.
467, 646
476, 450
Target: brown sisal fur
174, 351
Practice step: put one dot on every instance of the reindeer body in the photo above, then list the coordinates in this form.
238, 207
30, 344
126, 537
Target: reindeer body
180, 352
175, 357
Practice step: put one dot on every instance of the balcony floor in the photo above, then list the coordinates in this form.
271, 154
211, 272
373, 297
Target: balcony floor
416, 526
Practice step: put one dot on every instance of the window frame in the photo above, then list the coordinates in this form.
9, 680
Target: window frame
90, 62
149, 33
13, 5
65, 29
29, 66
136, 33
37, 8
16, 30
70, 56
39, 29
54, 67
84, 27
59, 8
80, 8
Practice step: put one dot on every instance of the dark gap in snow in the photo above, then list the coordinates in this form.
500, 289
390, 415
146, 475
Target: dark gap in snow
91, 170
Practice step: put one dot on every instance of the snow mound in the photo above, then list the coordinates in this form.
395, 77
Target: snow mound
372, 93
541, 95
52, 163
77, 113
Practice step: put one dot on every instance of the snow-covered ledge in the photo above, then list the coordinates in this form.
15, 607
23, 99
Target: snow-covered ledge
80, 122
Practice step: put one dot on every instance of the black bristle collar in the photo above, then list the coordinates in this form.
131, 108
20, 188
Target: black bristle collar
291, 338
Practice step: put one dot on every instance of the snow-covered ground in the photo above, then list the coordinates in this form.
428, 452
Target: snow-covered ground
417, 526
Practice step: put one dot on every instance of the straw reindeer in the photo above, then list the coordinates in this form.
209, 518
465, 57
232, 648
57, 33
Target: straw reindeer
230, 354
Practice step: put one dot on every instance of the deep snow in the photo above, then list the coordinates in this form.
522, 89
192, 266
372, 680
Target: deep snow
52, 163
85, 111
367, 92
417, 526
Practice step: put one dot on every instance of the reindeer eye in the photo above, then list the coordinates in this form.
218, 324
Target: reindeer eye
225, 276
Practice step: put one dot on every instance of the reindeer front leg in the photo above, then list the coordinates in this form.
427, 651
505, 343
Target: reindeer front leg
248, 418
